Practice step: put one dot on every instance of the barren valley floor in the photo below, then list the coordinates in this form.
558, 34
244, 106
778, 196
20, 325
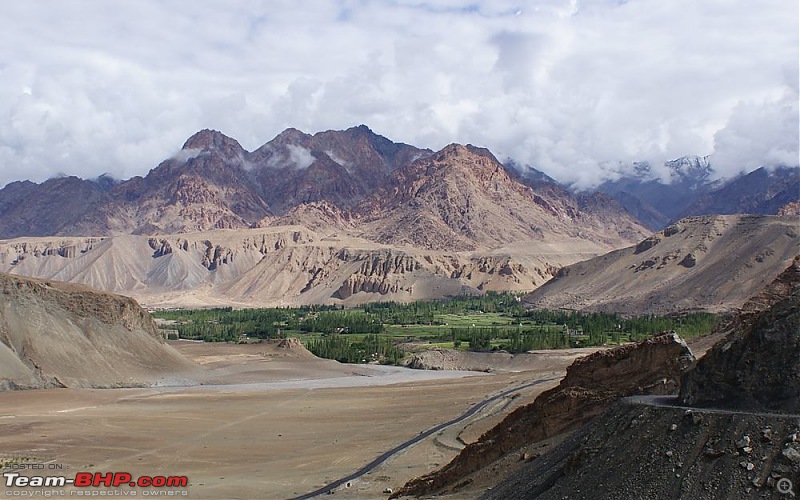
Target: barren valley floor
280, 426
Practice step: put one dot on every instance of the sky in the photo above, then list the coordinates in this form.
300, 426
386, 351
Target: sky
578, 89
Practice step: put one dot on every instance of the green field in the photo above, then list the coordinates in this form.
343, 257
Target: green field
374, 332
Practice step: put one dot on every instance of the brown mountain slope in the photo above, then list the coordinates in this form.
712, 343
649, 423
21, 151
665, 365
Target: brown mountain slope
202, 187
61, 335
320, 216
713, 263
30, 209
462, 198
339, 167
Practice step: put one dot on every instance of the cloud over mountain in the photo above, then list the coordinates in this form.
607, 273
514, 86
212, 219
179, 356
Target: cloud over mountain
575, 89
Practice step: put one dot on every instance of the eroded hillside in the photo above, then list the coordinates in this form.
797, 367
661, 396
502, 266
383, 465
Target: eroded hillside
712, 263
285, 265
60, 335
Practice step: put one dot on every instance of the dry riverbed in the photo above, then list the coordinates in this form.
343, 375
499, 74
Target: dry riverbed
264, 424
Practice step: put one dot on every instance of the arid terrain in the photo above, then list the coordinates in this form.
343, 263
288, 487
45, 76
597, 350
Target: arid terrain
106, 393
713, 263
731, 433
347, 217
284, 423
278, 266
606, 430
337, 217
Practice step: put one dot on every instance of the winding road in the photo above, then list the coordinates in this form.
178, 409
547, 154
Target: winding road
671, 402
416, 439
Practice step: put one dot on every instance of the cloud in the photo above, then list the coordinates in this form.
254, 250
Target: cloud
758, 132
577, 89
300, 157
292, 156
187, 154
333, 156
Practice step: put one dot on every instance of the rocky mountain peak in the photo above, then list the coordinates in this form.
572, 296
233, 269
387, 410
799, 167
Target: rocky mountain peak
471, 160
106, 181
290, 136
453, 150
207, 140
455, 169
692, 170
361, 129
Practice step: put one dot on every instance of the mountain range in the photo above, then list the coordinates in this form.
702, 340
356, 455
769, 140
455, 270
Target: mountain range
341, 216
345, 176
692, 190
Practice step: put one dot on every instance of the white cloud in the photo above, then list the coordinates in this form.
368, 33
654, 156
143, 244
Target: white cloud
300, 157
187, 154
758, 132
333, 156
573, 88
293, 156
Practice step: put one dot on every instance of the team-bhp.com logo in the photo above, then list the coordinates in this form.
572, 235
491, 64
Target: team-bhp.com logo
96, 480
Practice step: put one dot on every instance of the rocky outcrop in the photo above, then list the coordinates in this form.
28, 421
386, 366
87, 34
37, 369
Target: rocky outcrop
689, 261
60, 335
444, 359
369, 284
647, 244
315, 215
591, 385
452, 359
379, 273
791, 208
160, 247
745, 446
217, 255
757, 366
637, 451
292, 347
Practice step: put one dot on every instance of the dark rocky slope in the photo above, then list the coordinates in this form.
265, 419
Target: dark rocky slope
757, 366
740, 441
591, 385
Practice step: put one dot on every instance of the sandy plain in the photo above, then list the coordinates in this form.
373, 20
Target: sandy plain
261, 423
